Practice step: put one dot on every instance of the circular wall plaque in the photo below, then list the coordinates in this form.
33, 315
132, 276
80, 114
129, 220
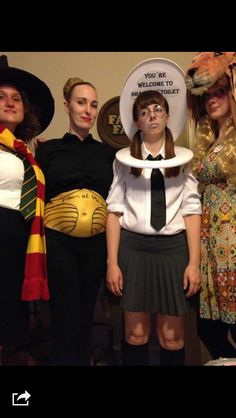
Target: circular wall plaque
109, 124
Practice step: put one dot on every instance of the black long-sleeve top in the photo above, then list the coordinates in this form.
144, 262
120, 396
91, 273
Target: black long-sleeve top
69, 163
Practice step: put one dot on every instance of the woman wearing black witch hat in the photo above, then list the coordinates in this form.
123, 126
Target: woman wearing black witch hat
26, 109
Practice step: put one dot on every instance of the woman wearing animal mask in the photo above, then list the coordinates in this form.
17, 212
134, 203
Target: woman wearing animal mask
211, 101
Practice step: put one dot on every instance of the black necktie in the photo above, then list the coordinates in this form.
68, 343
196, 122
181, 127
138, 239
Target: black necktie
158, 198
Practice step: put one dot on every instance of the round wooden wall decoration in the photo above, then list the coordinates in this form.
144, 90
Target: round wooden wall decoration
109, 125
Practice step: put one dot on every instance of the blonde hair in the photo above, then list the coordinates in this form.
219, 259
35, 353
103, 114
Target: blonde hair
226, 159
207, 132
71, 83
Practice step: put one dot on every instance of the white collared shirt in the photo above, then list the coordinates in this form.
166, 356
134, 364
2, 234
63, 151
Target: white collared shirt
11, 178
131, 196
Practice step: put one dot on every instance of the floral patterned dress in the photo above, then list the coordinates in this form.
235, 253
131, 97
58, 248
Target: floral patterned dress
218, 242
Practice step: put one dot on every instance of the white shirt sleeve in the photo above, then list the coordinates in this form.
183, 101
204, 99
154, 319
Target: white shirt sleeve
116, 196
191, 203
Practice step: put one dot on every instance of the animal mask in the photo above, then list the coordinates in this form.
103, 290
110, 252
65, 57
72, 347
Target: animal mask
207, 68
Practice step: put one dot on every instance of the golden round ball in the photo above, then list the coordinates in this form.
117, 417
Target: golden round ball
79, 213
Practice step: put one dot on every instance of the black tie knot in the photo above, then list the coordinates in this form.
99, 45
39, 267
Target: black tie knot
157, 158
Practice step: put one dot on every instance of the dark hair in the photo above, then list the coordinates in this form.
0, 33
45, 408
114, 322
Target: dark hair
30, 126
147, 98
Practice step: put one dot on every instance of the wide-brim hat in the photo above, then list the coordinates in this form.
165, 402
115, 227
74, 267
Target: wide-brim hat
166, 77
37, 92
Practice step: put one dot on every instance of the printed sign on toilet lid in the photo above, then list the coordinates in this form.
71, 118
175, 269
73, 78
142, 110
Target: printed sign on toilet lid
166, 77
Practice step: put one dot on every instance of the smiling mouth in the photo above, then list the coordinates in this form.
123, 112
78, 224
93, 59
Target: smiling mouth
86, 119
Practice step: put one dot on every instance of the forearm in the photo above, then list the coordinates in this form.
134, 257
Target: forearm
113, 237
193, 228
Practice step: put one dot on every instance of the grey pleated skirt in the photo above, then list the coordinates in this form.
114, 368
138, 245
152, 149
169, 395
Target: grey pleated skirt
153, 267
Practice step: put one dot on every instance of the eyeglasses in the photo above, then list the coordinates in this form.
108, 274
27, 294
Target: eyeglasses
219, 93
157, 110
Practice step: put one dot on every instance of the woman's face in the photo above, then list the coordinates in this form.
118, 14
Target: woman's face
217, 103
11, 107
152, 119
82, 108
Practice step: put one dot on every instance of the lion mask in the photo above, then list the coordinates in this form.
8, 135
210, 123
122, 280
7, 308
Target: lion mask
207, 68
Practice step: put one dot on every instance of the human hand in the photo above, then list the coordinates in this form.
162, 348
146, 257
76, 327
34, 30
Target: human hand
192, 280
114, 279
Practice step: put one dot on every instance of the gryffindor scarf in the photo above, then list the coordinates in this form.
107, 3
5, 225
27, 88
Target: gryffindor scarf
35, 285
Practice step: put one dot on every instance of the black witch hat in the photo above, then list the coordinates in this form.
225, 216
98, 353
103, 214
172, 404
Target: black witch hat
35, 89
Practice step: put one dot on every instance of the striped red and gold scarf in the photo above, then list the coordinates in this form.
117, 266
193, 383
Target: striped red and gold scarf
35, 285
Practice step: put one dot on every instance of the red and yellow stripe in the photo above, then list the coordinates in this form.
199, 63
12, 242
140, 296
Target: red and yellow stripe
35, 285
